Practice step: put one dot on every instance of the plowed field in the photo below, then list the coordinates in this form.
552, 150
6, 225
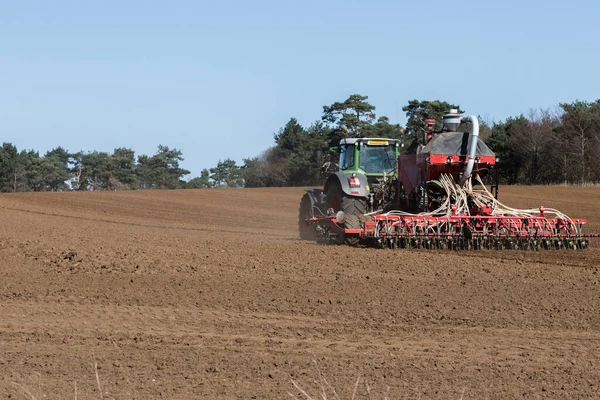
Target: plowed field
209, 294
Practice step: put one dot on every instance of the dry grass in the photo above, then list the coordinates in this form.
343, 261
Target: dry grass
28, 393
328, 392
97, 380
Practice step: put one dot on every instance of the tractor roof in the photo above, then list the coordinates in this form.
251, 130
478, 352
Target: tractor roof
354, 140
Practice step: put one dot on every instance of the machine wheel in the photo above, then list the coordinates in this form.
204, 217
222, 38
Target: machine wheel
307, 232
340, 201
352, 222
353, 207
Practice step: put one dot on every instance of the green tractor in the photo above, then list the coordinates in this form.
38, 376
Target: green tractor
362, 183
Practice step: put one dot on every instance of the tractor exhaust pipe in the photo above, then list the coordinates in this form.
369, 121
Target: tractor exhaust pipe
451, 121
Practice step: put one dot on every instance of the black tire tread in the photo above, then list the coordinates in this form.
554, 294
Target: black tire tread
354, 205
352, 222
306, 232
350, 205
354, 209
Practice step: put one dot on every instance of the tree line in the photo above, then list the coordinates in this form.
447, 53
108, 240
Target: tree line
550, 146
59, 170
546, 146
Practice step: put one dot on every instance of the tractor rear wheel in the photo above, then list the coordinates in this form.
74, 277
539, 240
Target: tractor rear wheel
352, 222
340, 201
353, 207
306, 211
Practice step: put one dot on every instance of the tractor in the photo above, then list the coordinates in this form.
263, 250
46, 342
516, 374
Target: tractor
356, 188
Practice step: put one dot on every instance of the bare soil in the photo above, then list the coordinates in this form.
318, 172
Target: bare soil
210, 294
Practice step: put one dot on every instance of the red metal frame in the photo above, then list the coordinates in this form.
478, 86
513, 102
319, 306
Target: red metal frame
414, 169
453, 226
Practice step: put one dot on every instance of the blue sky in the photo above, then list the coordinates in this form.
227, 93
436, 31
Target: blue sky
217, 79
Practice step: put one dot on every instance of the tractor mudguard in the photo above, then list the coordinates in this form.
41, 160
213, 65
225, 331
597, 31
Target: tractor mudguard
343, 179
317, 197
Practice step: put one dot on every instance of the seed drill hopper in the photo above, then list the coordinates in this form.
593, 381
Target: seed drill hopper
433, 198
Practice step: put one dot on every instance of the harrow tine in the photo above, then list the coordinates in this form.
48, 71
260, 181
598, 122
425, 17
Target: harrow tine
470, 233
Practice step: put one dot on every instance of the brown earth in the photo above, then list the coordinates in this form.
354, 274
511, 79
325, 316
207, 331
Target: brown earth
209, 294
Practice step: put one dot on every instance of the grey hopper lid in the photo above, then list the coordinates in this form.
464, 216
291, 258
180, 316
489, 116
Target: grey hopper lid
451, 143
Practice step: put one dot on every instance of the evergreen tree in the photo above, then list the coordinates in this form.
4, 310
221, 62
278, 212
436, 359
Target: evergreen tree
202, 181
164, 168
227, 173
418, 111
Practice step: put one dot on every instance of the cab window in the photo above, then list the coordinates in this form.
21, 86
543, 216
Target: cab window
346, 156
377, 159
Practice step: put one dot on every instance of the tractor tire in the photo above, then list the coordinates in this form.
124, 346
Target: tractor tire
354, 209
340, 201
352, 222
306, 211
354, 205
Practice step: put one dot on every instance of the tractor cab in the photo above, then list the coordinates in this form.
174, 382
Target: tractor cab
371, 157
